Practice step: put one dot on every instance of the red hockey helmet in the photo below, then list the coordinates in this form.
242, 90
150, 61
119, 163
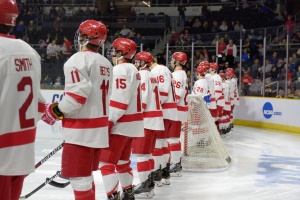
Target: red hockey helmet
229, 70
230, 74
96, 33
127, 46
222, 75
145, 56
205, 64
181, 57
201, 70
8, 12
215, 66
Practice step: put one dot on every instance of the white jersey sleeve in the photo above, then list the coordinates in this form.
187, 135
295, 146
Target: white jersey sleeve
218, 86
152, 111
211, 88
21, 105
226, 89
125, 106
86, 102
164, 81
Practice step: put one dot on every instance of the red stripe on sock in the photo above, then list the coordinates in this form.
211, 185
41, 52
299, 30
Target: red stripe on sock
157, 152
107, 170
124, 188
144, 166
152, 163
175, 147
84, 195
166, 150
114, 190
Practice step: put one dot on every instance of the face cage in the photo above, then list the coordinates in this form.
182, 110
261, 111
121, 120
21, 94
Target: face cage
110, 52
77, 42
169, 62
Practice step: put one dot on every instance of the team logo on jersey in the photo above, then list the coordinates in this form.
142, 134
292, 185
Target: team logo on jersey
268, 111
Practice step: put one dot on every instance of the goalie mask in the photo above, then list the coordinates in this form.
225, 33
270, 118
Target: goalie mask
142, 60
90, 31
127, 48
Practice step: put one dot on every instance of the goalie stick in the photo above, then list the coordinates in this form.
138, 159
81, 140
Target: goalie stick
48, 156
48, 180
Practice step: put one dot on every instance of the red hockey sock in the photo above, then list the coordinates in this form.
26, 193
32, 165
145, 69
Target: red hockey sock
84, 195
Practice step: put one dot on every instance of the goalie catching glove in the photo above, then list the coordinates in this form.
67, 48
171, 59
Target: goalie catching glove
52, 113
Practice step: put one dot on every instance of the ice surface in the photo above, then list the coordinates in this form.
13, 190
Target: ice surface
265, 165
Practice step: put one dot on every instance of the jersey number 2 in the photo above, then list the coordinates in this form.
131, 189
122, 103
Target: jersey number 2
25, 123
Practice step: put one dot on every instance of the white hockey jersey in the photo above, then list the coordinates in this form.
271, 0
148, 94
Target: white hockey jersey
21, 105
231, 90
218, 90
226, 89
211, 88
125, 106
166, 91
88, 85
152, 111
229, 99
200, 87
236, 92
181, 91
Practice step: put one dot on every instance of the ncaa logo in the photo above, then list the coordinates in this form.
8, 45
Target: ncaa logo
268, 110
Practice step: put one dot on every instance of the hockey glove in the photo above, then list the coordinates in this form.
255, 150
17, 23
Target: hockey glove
52, 113
207, 98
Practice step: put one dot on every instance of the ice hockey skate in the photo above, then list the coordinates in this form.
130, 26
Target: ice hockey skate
114, 196
143, 190
128, 194
157, 178
175, 169
166, 175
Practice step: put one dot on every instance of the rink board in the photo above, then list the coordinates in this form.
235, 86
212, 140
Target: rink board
269, 113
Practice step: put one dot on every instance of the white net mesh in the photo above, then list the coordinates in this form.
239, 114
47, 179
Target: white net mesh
203, 148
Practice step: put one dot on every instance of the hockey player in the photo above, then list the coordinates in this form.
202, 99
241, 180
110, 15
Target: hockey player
226, 108
126, 119
229, 75
181, 90
236, 101
84, 117
201, 85
169, 107
218, 90
21, 104
143, 147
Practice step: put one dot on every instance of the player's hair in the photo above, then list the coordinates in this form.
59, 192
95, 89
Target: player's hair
91, 46
126, 59
154, 60
5, 29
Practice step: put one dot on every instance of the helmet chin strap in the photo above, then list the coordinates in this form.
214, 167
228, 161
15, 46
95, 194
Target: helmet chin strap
144, 66
117, 59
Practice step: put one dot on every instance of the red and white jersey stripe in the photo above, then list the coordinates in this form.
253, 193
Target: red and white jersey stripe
21, 105
166, 91
88, 85
181, 91
125, 106
152, 111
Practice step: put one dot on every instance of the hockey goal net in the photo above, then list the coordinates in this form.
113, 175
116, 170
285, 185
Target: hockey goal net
203, 148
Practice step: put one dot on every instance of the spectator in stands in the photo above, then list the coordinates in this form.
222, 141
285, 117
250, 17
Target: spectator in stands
181, 9
222, 63
132, 33
58, 82
42, 43
237, 7
292, 65
57, 26
205, 27
197, 24
43, 57
238, 26
51, 48
296, 38
49, 39
46, 80
231, 26
40, 8
69, 13
205, 10
231, 52
245, 4
174, 37
57, 59
31, 30
276, 41
138, 39
224, 26
160, 57
20, 29
52, 12
79, 12
67, 48
273, 60
214, 42
274, 73
186, 35
31, 13
244, 35
252, 35
255, 68
112, 9
263, 9
260, 50
189, 24
96, 13
198, 40
27, 40
284, 44
215, 27
213, 58
87, 13
61, 12
255, 89
245, 55
298, 83
125, 31
296, 59
221, 47
289, 26
226, 38
268, 67
297, 94
202, 58
247, 81
278, 18
205, 54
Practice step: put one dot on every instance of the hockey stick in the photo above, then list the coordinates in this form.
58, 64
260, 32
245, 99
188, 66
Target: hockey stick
59, 185
41, 186
48, 156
